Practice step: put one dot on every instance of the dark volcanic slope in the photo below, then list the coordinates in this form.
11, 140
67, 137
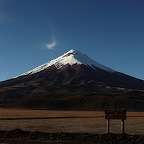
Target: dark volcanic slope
68, 80
75, 78
76, 87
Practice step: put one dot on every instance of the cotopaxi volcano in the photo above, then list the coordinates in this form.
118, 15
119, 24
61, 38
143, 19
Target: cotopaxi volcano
71, 81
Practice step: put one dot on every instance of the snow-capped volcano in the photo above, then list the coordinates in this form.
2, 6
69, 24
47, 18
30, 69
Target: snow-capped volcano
71, 57
71, 81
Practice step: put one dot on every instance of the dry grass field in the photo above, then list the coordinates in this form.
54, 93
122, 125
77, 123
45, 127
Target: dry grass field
68, 121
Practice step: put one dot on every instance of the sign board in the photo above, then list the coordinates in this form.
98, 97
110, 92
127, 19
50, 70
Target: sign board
115, 114
118, 114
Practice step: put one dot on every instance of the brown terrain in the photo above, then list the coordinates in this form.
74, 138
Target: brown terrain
68, 121
18, 123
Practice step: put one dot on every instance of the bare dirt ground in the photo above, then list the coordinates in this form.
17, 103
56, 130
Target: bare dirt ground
68, 121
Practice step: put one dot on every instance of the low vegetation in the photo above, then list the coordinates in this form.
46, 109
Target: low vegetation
19, 136
65, 127
67, 121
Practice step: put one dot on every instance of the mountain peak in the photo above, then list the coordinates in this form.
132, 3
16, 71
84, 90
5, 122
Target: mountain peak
71, 57
72, 52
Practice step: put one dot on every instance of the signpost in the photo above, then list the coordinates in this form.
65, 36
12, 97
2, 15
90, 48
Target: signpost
117, 114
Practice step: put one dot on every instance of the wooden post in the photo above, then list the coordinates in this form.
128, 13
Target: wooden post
122, 126
108, 125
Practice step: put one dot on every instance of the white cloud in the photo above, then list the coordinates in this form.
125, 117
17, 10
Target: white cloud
51, 45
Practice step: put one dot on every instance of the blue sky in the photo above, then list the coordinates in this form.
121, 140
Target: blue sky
33, 32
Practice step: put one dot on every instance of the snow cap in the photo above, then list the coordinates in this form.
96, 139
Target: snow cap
71, 57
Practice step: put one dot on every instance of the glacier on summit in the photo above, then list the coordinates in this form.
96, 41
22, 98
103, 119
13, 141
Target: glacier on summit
71, 57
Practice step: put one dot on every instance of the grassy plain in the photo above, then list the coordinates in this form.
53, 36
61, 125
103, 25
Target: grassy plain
68, 121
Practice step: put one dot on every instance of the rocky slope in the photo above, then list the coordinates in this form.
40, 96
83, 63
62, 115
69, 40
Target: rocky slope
72, 74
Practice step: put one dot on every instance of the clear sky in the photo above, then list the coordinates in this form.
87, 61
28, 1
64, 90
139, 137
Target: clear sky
33, 32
